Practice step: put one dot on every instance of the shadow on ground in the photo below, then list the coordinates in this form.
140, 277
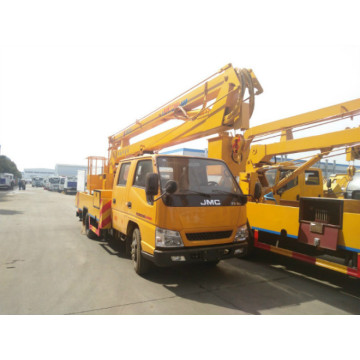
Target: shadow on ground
265, 284
10, 212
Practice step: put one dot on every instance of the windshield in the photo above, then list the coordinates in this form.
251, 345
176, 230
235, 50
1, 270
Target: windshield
54, 180
199, 181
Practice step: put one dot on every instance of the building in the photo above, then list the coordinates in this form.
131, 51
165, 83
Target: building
28, 174
186, 152
68, 170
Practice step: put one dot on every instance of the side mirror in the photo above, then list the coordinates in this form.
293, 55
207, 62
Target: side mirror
243, 199
170, 186
328, 183
151, 184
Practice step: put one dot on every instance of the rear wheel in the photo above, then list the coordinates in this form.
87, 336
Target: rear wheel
141, 265
90, 234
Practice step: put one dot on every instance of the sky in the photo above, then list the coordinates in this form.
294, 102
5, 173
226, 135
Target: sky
70, 79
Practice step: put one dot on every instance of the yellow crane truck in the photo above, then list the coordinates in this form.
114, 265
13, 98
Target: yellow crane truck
310, 227
169, 210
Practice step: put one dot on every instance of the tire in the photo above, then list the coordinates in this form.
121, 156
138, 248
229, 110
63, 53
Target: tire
141, 265
90, 234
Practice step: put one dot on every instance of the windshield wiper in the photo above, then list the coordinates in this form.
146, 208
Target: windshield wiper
225, 192
194, 192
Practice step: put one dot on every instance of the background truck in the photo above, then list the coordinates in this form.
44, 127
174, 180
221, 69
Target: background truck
290, 214
53, 183
37, 182
61, 183
81, 181
174, 209
70, 185
7, 181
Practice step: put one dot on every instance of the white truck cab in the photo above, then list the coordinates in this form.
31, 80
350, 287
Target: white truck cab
7, 181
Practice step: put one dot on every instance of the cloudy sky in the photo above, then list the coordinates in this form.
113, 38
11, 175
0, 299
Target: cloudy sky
73, 73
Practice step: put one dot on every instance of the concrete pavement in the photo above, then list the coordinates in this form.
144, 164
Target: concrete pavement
48, 267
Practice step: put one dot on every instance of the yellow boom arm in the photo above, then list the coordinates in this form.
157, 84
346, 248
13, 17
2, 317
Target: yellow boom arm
256, 155
213, 106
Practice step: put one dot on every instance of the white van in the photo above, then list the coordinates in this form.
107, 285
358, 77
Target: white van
7, 181
70, 185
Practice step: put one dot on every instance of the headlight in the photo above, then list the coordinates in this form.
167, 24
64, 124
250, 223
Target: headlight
167, 238
242, 233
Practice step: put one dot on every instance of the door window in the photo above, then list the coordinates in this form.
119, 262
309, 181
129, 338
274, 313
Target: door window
123, 175
312, 177
143, 167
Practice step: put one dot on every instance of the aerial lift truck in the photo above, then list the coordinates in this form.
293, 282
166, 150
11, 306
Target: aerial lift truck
290, 215
169, 209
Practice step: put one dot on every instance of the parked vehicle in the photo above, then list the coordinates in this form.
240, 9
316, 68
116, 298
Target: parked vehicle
54, 182
61, 183
173, 209
46, 184
291, 215
70, 185
7, 181
81, 181
37, 182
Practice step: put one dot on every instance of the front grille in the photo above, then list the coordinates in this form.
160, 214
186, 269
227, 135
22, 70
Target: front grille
209, 235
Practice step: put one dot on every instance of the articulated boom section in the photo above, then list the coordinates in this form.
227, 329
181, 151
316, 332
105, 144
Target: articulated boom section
213, 106
253, 157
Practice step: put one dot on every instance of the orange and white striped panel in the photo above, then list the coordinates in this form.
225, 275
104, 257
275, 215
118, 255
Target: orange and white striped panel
105, 215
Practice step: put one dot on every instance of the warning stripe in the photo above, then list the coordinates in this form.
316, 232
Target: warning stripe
306, 258
94, 230
105, 216
105, 208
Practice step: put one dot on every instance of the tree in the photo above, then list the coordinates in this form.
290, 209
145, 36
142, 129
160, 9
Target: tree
8, 166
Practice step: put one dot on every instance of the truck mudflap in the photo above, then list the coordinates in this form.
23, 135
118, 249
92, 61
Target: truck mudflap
169, 257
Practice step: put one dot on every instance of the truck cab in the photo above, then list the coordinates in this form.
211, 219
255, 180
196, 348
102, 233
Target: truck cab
70, 185
61, 183
307, 184
7, 181
54, 182
37, 182
170, 210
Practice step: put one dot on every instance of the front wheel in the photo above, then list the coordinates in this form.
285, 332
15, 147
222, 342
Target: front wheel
141, 265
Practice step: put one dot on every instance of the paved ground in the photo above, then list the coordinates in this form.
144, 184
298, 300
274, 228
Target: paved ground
48, 267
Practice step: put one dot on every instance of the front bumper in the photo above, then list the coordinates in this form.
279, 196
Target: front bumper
193, 255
